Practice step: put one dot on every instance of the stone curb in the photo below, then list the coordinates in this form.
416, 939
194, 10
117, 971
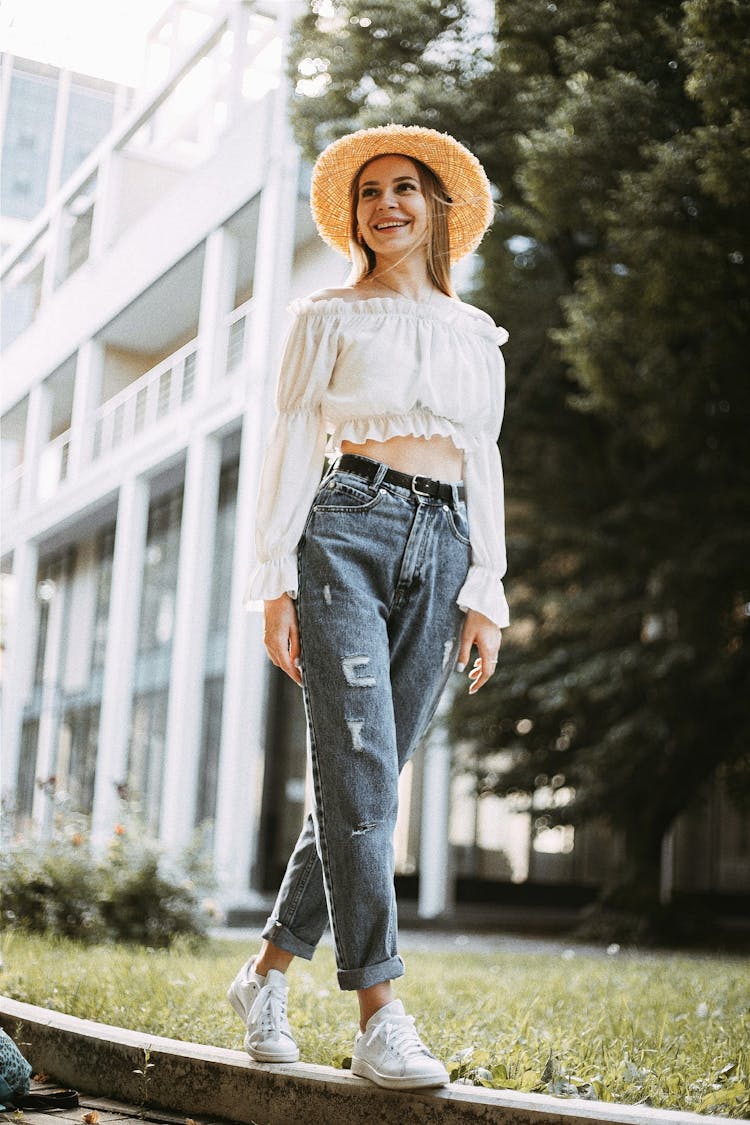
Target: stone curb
203, 1081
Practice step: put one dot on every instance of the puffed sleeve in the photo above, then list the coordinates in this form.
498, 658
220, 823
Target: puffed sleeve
294, 456
485, 509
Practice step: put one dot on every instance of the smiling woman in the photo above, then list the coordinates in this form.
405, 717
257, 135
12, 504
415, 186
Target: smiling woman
380, 579
399, 205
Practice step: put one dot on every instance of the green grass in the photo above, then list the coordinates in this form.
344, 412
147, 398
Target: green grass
669, 1031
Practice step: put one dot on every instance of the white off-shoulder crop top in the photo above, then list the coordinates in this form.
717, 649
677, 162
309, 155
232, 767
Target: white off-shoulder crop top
374, 369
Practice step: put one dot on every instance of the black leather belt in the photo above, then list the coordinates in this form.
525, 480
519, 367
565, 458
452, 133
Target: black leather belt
421, 486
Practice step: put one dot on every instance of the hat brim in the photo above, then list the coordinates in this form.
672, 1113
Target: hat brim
471, 209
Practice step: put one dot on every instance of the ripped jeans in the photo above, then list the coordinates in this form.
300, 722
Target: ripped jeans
380, 568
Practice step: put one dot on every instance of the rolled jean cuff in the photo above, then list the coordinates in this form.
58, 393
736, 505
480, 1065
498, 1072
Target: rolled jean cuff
277, 933
369, 975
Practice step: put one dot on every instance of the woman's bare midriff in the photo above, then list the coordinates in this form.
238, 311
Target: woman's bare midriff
435, 457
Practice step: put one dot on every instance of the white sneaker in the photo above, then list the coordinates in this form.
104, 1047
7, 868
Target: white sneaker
390, 1053
260, 1002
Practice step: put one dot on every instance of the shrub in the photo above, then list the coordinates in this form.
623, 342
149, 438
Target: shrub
126, 892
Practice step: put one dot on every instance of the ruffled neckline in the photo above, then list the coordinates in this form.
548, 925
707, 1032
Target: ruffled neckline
339, 307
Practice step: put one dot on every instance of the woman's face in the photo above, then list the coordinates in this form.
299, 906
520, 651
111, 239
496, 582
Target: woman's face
391, 207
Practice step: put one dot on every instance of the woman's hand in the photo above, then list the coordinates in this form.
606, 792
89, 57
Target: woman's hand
281, 635
485, 636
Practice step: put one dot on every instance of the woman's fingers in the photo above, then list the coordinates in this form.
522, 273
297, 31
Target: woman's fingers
480, 673
482, 633
281, 636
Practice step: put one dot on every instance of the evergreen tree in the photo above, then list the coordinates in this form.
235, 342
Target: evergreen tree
617, 136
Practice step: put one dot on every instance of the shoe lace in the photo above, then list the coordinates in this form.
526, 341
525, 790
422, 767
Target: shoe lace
272, 1015
401, 1034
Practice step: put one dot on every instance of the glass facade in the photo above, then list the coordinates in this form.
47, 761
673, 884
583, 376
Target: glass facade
153, 660
146, 757
90, 114
76, 756
104, 558
26, 770
27, 145
216, 647
160, 579
208, 764
283, 802
29, 133
43, 707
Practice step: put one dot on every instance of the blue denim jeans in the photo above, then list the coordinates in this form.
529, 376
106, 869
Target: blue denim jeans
380, 568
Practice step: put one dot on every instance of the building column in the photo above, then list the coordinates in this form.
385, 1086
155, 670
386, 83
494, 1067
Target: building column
192, 607
240, 781
246, 680
49, 714
122, 646
217, 300
435, 883
107, 194
19, 660
38, 427
6, 77
239, 20
86, 398
57, 148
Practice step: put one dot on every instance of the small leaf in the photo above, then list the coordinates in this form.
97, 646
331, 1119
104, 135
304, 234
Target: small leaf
549, 1069
91, 1117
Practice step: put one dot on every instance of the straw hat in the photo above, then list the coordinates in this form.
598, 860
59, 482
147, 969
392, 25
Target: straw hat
464, 178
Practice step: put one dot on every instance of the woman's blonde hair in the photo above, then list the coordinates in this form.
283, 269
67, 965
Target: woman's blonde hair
438, 239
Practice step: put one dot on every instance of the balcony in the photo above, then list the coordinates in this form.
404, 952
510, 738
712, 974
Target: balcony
134, 415
221, 78
158, 394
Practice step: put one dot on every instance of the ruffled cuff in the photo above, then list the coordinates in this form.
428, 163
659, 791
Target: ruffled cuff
270, 580
483, 591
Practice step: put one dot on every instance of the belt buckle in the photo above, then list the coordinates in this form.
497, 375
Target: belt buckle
421, 491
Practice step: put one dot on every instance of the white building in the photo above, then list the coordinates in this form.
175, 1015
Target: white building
134, 402
50, 120
146, 304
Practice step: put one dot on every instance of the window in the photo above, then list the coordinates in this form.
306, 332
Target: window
146, 756
104, 559
76, 758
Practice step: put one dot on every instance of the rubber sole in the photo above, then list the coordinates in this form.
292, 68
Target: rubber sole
363, 1069
265, 1056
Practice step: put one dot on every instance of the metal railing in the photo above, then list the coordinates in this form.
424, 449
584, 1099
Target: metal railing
236, 327
53, 466
157, 394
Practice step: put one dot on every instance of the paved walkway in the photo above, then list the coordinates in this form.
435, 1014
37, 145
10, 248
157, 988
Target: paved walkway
429, 940
96, 1111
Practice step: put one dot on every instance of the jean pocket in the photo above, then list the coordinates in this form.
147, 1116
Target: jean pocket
459, 524
345, 495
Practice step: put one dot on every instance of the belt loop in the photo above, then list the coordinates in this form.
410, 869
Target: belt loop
377, 480
454, 496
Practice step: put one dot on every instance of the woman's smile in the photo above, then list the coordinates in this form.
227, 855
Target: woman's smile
391, 207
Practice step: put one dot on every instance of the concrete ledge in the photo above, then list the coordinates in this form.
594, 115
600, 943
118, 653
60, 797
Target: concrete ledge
202, 1081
